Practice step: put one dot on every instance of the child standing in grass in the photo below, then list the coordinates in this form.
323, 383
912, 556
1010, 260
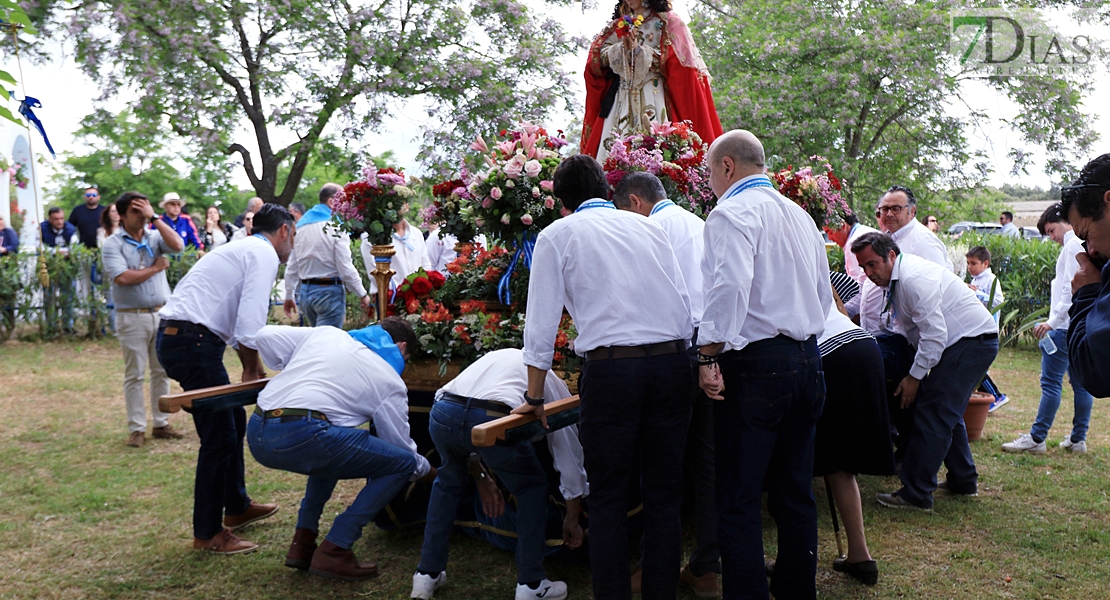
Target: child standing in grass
989, 291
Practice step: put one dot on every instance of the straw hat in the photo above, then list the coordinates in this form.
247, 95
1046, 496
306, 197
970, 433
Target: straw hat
171, 197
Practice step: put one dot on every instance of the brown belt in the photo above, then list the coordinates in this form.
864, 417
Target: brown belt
617, 352
139, 311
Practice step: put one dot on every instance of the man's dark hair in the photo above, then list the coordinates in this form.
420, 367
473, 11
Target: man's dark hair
123, 203
1009, 215
1051, 214
911, 200
979, 253
1088, 201
270, 218
850, 218
578, 179
643, 184
55, 210
880, 243
401, 331
297, 206
328, 191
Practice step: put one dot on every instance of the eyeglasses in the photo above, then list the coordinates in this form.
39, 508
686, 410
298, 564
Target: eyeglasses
1072, 193
894, 210
88, 195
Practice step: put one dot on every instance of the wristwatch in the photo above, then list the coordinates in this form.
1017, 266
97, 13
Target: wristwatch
533, 401
153, 218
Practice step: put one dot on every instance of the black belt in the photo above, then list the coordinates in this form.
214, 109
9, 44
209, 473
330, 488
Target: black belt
617, 352
983, 337
184, 327
323, 281
290, 414
496, 407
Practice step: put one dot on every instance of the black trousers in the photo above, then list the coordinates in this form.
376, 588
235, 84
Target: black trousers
635, 408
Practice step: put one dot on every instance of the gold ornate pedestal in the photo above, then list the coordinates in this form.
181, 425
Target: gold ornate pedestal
383, 273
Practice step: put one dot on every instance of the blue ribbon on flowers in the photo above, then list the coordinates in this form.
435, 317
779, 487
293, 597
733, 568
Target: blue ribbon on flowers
392, 286
524, 248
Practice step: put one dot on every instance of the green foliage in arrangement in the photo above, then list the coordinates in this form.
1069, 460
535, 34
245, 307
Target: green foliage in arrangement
72, 302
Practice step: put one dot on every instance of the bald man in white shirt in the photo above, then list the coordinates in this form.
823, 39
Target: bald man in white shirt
767, 297
955, 340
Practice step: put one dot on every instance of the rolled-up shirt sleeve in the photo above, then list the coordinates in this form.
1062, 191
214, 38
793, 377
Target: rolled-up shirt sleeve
728, 269
391, 420
352, 280
112, 256
919, 298
546, 298
566, 449
254, 304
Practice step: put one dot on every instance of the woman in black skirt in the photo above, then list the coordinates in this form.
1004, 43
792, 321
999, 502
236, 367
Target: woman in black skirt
853, 433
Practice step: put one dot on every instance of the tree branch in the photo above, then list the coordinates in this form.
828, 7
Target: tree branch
248, 166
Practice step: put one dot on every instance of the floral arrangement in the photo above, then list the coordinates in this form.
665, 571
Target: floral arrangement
627, 25
817, 191
373, 204
512, 196
451, 209
18, 174
419, 285
675, 154
476, 275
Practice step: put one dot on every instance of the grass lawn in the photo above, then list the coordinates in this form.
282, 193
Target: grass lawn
84, 516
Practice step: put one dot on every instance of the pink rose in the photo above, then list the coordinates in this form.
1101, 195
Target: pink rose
526, 219
532, 168
495, 193
513, 168
506, 219
549, 203
488, 202
547, 185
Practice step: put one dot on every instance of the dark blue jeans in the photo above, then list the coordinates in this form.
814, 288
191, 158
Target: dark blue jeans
323, 304
328, 453
939, 435
516, 466
635, 409
765, 426
194, 357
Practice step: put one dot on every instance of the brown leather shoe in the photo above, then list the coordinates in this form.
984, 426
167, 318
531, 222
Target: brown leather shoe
225, 542
167, 433
637, 582
704, 586
256, 512
301, 550
334, 562
136, 439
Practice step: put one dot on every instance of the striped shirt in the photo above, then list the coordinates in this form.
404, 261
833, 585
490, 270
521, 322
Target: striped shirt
839, 329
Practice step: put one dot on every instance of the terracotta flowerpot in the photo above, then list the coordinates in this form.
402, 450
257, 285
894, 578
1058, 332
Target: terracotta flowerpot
975, 416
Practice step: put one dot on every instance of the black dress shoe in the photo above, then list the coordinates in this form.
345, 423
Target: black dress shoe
866, 572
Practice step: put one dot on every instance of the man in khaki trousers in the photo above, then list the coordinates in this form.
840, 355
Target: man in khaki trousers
133, 259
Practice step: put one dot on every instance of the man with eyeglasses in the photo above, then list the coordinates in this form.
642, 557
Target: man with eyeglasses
897, 215
86, 217
1084, 203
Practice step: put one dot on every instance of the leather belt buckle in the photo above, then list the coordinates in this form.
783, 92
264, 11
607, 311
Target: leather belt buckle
277, 412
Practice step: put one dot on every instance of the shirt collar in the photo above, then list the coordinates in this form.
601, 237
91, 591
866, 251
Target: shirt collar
1069, 236
594, 203
662, 204
144, 237
896, 272
905, 231
757, 180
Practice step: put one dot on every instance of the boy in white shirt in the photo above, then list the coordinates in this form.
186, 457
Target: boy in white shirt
983, 281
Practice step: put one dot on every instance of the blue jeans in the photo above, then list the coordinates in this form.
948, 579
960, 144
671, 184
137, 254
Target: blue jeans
635, 410
765, 426
1053, 367
195, 358
323, 304
328, 453
939, 435
516, 466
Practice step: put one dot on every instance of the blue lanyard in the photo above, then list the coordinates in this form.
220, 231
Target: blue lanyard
139, 246
759, 181
890, 306
263, 238
594, 204
661, 205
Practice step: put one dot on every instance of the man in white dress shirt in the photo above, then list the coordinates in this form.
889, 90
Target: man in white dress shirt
956, 340
320, 271
896, 212
488, 390
643, 193
618, 278
1008, 227
411, 253
759, 358
224, 300
849, 231
307, 421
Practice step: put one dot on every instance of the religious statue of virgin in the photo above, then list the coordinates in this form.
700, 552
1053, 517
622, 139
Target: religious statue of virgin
644, 68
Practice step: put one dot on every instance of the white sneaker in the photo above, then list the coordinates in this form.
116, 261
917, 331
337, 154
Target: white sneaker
1074, 447
548, 590
1025, 443
424, 586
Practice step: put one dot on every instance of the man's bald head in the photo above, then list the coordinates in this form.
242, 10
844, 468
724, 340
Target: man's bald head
328, 191
732, 157
255, 204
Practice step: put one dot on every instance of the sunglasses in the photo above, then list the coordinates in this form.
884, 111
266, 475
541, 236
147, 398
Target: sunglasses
1073, 192
91, 195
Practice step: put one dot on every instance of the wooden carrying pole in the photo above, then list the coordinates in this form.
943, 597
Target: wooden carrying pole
222, 396
516, 428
